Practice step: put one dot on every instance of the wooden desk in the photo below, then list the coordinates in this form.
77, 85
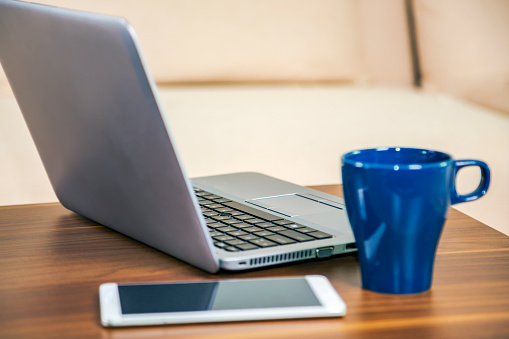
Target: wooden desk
52, 262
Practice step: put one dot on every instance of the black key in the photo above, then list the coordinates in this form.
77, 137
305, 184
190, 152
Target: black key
246, 247
307, 230
283, 222
276, 228
254, 221
214, 197
231, 249
293, 226
319, 235
263, 233
222, 200
216, 224
296, 235
214, 206
237, 233
223, 238
201, 193
252, 211
219, 244
248, 237
263, 242
280, 239
215, 233
224, 210
265, 224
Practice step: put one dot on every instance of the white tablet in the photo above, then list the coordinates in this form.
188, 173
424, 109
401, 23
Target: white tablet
218, 301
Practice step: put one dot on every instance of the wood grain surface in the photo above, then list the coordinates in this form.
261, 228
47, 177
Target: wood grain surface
52, 262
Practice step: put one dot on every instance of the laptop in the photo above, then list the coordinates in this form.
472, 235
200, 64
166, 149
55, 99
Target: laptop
91, 107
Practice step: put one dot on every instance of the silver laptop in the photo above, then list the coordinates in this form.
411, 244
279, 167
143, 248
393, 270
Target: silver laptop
91, 107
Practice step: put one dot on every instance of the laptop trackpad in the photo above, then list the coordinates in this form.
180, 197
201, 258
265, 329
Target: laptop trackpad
293, 205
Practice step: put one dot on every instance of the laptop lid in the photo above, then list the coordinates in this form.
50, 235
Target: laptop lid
91, 109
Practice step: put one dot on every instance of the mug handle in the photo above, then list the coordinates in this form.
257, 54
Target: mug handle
483, 184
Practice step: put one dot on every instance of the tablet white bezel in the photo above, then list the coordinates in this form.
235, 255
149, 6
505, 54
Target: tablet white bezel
331, 306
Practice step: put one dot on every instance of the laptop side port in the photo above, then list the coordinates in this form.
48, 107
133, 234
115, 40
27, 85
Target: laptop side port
351, 247
324, 252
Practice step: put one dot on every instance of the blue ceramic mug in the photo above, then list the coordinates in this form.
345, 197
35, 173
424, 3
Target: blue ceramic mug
397, 201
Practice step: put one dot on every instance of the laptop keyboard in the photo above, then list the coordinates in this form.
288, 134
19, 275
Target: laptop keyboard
237, 227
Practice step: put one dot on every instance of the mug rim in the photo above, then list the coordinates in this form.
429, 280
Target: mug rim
347, 159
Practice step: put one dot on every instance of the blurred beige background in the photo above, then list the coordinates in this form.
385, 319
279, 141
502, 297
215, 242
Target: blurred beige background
290, 85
